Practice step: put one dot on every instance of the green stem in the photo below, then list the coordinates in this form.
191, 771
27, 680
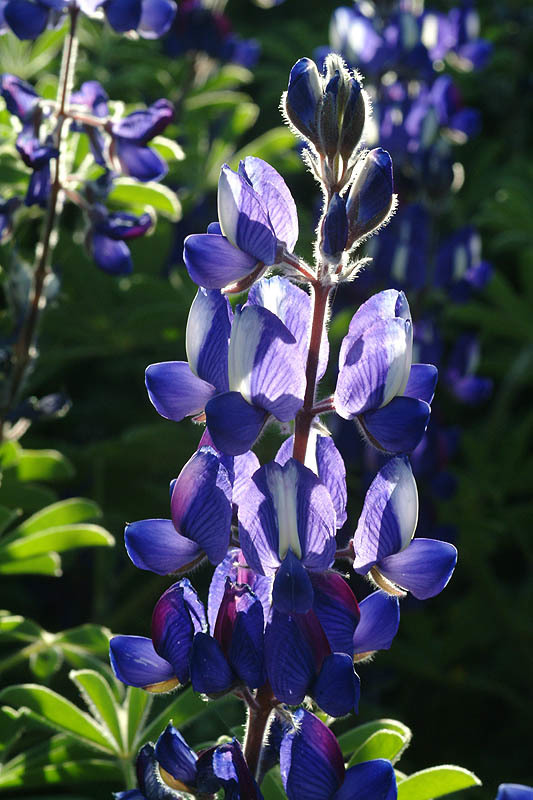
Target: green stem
22, 352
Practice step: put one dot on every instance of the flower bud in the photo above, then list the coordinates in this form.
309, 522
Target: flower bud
371, 196
335, 228
303, 98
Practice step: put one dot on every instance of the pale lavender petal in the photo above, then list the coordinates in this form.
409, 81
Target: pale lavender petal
424, 568
380, 618
389, 516
155, 545
244, 218
175, 391
388, 304
212, 261
276, 196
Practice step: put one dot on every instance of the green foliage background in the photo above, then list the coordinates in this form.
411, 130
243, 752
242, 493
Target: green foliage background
459, 672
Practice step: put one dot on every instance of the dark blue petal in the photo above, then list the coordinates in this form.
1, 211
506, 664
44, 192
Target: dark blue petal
207, 337
176, 757
20, 97
380, 618
210, 672
424, 568
155, 545
371, 195
212, 261
246, 651
111, 256
39, 190
337, 610
177, 616
123, 15
292, 592
514, 791
399, 426
201, 503
422, 382
156, 18
336, 690
290, 658
371, 780
27, 20
311, 761
136, 663
233, 423
140, 162
335, 227
148, 776
303, 96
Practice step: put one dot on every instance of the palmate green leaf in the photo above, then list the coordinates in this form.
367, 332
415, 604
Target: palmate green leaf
387, 744
99, 698
186, 706
58, 539
167, 148
436, 782
55, 750
11, 726
54, 711
138, 704
49, 564
137, 196
352, 740
44, 663
66, 773
14, 627
7, 517
65, 512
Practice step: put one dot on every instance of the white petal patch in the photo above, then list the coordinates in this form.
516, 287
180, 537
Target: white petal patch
246, 332
404, 501
198, 325
283, 486
400, 364
310, 454
228, 208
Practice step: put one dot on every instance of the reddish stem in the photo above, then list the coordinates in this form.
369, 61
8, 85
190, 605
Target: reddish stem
305, 416
258, 717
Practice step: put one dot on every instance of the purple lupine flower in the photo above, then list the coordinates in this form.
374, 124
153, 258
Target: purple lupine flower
161, 663
234, 653
371, 199
311, 764
460, 268
378, 624
514, 791
92, 96
7, 209
130, 141
257, 224
460, 375
400, 252
378, 384
224, 767
383, 542
198, 28
178, 389
108, 235
20, 97
266, 376
287, 529
300, 662
235, 568
37, 156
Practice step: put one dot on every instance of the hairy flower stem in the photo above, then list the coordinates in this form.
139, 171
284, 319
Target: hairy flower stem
305, 416
256, 726
22, 351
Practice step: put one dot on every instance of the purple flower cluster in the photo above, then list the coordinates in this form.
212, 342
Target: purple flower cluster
281, 623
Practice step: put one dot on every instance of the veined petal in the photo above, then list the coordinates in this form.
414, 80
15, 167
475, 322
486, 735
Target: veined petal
370, 780
399, 426
264, 363
212, 261
337, 688
243, 217
176, 757
175, 391
380, 618
201, 503
311, 761
422, 382
177, 615
207, 337
293, 307
387, 304
136, 663
233, 423
155, 545
389, 516
286, 508
292, 591
275, 194
246, 650
148, 776
376, 368
210, 672
424, 568
337, 610
232, 568
290, 659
